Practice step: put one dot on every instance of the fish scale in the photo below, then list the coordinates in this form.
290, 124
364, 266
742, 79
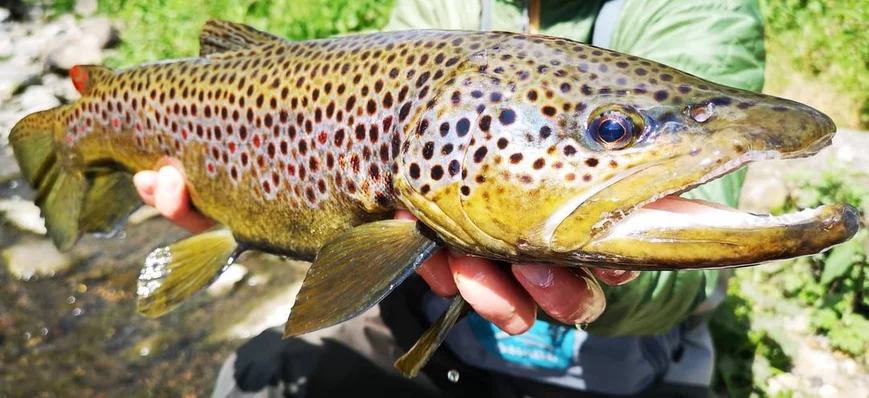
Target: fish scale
513, 147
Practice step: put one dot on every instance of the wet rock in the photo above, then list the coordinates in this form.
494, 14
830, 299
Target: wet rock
37, 98
86, 8
23, 215
781, 384
5, 45
228, 280
828, 391
15, 79
101, 30
153, 345
272, 311
17, 9
61, 87
9, 169
39, 258
143, 214
82, 44
74, 52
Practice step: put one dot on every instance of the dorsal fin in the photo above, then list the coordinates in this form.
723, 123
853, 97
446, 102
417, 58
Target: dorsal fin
219, 36
85, 77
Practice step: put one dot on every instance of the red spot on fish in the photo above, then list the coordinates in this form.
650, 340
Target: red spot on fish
210, 168
322, 137
256, 141
79, 78
232, 147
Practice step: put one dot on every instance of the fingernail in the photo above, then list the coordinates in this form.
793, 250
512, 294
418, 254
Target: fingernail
537, 275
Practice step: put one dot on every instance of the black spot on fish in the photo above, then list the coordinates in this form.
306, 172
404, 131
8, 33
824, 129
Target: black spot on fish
428, 150
507, 117
453, 167
480, 154
463, 126
721, 101
485, 123
437, 172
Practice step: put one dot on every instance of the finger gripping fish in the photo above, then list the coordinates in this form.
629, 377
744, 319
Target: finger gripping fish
512, 147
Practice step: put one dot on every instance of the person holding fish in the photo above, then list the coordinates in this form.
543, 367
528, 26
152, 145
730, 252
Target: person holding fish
661, 344
494, 192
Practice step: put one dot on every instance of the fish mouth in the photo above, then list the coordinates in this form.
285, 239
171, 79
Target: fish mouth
670, 232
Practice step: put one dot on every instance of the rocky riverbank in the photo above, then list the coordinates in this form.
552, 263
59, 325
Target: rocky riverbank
68, 325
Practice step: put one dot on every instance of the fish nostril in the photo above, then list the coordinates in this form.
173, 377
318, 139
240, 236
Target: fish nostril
700, 113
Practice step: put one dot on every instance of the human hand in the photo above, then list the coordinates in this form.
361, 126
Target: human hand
166, 191
570, 296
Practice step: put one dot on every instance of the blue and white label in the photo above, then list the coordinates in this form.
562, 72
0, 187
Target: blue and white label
545, 345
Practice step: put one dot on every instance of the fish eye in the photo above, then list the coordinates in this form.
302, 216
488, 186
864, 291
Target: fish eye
611, 131
615, 128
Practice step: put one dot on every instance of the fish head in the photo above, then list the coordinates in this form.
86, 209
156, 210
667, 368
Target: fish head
580, 157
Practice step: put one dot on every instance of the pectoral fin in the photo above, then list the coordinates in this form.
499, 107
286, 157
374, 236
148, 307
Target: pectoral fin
356, 270
174, 273
414, 359
111, 198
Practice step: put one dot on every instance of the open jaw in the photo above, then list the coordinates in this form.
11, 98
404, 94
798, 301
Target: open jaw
671, 232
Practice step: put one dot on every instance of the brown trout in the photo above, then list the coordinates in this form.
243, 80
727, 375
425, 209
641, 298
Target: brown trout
513, 147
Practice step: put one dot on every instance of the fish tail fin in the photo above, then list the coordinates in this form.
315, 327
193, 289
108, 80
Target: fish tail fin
45, 164
72, 200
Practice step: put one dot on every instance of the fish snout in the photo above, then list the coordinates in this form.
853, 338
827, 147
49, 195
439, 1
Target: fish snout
776, 124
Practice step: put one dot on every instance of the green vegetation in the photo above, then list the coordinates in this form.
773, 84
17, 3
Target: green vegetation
826, 41
829, 289
835, 288
165, 29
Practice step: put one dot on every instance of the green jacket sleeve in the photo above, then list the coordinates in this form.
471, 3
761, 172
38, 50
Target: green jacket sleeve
426, 14
721, 41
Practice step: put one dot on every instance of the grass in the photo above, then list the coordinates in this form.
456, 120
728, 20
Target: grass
165, 29
828, 289
819, 54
